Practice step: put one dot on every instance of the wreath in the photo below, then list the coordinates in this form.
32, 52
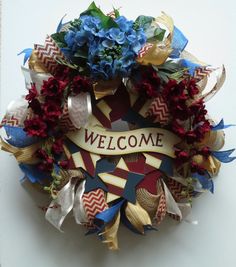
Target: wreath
114, 125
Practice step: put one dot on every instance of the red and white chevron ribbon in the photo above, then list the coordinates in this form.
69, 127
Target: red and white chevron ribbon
9, 121
159, 111
143, 51
202, 72
48, 54
161, 209
94, 203
176, 189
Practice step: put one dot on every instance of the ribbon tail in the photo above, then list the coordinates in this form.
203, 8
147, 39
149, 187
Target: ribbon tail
224, 156
64, 203
78, 209
171, 205
27, 52
186, 210
137, 216
110, 233
61, 24
220, 79
221, 126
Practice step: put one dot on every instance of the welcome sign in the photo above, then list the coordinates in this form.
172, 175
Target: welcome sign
102, 142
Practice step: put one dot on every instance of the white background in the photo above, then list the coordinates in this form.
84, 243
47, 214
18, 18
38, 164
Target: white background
28, 240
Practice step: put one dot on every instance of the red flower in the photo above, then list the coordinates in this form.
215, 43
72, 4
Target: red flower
192, 88
197, 168
180, 111
79, 85
46, 166
63, 73
41, 153
47, 161
191, 137
32, 93
51, 110
202, 129
53, 87
149, 83
205, 151
146, 87
57, 147
154, 80
35, 106
178, 129
181, 156
196, 107
35, 127
64, 164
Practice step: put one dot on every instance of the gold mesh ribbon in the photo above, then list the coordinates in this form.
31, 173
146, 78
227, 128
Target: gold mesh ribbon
22, 155
35, 65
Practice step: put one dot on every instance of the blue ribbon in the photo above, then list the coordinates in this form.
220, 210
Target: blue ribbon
223, 156
221, 126
189, 65
179, 42
27, 52
205, 181
33, 173
135, 118
167, 166
108, 215
18, 137
61, 24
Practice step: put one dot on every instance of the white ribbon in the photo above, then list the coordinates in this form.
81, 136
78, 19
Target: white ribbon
171, 205
34, 77
183, 210
68, 198
17, 109
78, 209
79, 108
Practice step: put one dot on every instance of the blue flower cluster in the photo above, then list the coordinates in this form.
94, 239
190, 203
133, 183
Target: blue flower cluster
110, 52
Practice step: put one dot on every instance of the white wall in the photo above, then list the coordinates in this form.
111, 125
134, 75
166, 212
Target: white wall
28, 240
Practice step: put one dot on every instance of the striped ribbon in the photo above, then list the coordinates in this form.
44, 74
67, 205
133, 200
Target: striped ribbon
143, 51
158, 110
86, 160
48, 54
94, 203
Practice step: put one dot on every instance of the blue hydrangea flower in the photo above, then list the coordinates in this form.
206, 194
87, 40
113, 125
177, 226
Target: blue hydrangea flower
111, 52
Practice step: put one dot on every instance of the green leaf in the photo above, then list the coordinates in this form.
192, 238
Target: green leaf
157, 35
144, 21
170, 70
106, 21
59, 38
178, 75
81, 53
117, 13
66, 63
75, 23
170, 66
163, 76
